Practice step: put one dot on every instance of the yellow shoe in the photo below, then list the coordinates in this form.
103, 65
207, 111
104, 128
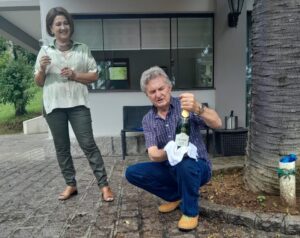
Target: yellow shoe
169, 207
188, 223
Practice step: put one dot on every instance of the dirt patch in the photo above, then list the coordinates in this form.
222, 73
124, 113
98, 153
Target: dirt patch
229, 189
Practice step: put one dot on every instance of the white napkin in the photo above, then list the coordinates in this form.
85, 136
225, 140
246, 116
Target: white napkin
175, 155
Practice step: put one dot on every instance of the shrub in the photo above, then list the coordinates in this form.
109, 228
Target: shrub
16, 80
16, 76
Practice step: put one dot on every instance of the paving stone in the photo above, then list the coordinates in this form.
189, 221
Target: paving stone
152, 234
269, 222
238, 217
125, 214
128, 224
127, 235
183, 235
76, 231
81, 218
35, 221
99, 232
50, 231
7, 228
292, 225
105, 222
152, 224
24, 232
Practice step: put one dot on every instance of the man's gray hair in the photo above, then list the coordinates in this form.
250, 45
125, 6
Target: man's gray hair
153, 73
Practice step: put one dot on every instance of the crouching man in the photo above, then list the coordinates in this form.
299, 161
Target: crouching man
173, 174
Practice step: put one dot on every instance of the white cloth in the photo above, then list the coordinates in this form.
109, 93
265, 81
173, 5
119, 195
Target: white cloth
175, 154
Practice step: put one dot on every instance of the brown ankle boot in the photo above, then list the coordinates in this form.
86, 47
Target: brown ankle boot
169, 207
188, 223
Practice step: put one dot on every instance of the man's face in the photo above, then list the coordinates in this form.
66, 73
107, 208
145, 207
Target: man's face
159, 92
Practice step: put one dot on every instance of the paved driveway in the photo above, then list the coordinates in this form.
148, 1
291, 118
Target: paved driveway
30, 182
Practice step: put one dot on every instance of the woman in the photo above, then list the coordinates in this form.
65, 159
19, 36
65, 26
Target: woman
63, 69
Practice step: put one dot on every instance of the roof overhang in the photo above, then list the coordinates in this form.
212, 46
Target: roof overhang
20, 22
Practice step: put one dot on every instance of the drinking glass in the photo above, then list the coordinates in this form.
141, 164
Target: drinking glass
44, 44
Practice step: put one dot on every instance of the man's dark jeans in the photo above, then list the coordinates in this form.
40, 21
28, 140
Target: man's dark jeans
172, 183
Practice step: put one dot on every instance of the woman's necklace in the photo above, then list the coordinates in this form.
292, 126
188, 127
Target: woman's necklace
63, 46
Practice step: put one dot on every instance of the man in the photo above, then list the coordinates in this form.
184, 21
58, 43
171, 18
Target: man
178, 184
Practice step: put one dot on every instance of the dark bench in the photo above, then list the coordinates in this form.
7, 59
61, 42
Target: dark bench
132, 122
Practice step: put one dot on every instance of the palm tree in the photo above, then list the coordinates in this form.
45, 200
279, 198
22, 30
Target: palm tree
275, 106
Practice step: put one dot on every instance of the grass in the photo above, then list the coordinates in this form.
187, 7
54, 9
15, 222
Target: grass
10, 124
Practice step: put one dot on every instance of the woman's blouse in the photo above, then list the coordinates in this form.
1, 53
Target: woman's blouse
60, 92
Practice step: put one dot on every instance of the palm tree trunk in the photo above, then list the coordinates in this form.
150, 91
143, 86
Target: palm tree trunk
275, 106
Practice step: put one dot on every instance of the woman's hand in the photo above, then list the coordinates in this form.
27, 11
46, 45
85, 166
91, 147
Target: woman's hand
80, 77
41, 74
44, 61
67, 72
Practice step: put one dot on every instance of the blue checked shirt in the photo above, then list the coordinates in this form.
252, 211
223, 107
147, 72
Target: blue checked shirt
158, 131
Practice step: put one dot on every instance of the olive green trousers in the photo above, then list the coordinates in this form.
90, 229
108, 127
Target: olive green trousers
81, 122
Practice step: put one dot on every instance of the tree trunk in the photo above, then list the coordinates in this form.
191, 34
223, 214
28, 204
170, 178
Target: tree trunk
20, 109
275, 105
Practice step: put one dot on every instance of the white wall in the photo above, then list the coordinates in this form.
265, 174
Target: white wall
106, 108
230, 63
19, 3
249, 4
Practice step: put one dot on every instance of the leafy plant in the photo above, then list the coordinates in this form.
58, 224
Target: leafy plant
16, 80
261, 199
16, 77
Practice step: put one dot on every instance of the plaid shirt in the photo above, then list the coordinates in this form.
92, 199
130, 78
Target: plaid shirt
158, 132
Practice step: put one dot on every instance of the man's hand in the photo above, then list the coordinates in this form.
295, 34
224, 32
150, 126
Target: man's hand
210, 116
189, 102
157, 155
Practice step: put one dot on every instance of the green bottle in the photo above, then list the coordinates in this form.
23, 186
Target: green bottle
183, 130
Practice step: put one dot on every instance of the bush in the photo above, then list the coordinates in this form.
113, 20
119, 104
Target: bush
16, 81
16, 76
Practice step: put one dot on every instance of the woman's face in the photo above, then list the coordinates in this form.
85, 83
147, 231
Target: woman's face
61, 28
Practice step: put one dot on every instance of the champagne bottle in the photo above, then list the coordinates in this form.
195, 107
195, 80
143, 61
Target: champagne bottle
183, 130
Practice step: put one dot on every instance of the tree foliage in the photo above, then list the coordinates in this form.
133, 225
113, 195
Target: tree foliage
3, 45
16, 76
4, 55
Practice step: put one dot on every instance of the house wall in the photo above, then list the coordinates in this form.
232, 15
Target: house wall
230, 58
106, 108
230, 64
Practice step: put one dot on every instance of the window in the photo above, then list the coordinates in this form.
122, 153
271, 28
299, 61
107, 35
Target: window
124, 46
114, 74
